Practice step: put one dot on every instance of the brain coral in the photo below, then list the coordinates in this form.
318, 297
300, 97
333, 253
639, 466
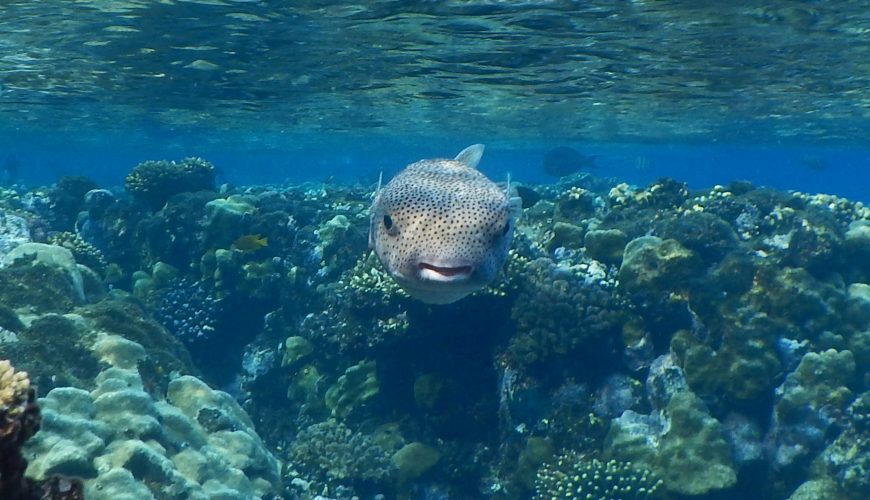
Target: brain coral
197, 444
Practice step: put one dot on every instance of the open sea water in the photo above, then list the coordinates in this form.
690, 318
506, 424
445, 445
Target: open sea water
660, 321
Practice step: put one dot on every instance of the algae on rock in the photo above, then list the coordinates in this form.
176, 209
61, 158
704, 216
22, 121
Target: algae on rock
691, 455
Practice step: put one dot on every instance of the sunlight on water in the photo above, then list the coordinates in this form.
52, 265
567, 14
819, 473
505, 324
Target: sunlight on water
597, 70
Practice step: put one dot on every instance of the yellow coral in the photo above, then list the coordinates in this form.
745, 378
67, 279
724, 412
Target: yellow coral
14, 386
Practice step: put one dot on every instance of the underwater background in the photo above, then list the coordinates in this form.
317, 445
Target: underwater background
189, 308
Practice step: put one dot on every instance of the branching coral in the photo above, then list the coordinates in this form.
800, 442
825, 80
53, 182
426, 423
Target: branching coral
189, 309
154, 182
333, 453
84, 252
561, 308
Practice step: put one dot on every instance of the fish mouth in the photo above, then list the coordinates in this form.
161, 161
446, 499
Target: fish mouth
441, 273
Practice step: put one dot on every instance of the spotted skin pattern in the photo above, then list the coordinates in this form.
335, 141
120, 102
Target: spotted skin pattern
441, 228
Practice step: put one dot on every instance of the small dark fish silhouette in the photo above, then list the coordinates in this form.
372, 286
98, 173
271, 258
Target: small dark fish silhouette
528, 196
814, 163
563, 160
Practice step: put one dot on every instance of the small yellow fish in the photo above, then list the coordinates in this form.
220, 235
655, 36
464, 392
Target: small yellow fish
250, 243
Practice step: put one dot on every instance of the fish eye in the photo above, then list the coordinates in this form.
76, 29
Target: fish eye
388, 222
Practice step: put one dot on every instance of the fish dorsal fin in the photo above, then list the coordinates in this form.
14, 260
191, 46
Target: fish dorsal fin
372, 210
471, 155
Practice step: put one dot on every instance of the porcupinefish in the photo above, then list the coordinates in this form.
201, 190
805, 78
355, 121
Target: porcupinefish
441, 228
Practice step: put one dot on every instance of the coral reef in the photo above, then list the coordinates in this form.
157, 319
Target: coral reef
154, 182
564, 308
573, 476
355, 387
14, 231
83, 252
330, 453
19, 420
67, 200
198, 443
188, 309
811, 401
691, 453
716, 340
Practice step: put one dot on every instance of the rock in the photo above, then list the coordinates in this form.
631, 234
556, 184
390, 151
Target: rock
816, 490
606, 245
691, 455
52, 256
414, 459
566, 235
13, 232
296, 348
652, 264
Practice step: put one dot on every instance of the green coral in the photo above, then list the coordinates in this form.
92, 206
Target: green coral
575, 204
572, 476
226, 219
358, 385
744, 369
295, 349
566, 235
820, 381
606, 245
413, 460
692, 455
817, 489
154, 182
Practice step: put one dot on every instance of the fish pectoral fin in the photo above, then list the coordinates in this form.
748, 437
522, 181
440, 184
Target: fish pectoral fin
471, 155
515, 206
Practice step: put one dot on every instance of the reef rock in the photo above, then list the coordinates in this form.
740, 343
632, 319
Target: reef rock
51, 256
684, 446
650, 263
13, 232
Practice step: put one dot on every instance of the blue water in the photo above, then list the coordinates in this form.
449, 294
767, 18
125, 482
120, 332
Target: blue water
273, 91
107, 157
